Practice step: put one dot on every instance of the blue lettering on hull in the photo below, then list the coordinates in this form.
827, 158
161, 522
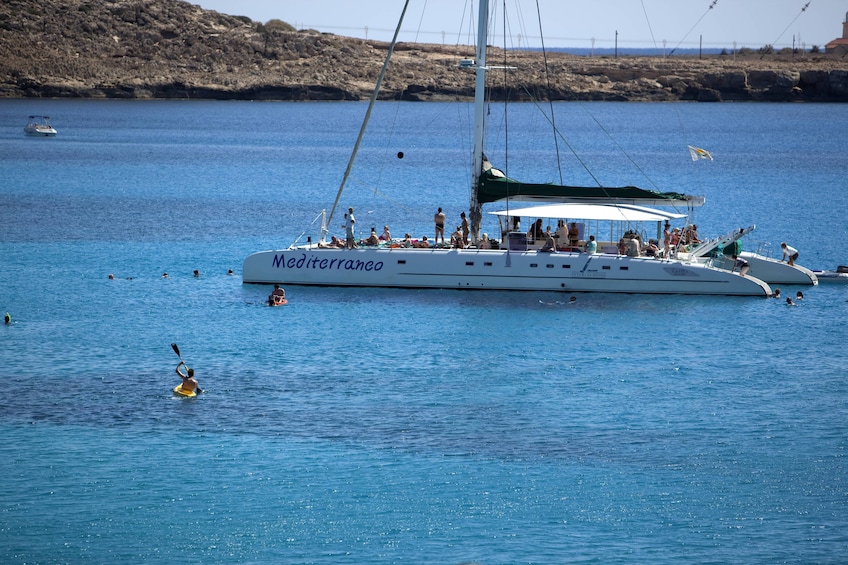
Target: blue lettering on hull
312, 262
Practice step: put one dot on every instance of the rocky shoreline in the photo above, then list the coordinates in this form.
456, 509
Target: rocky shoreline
160, 49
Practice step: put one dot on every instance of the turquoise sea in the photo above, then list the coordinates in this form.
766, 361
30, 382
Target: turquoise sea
397, 426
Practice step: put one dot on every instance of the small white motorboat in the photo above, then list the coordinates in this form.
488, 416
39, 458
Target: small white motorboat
839, 275
39, 126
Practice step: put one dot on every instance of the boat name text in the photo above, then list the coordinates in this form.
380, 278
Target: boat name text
313, 262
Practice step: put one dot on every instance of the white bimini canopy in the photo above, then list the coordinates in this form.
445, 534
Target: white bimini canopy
619, 213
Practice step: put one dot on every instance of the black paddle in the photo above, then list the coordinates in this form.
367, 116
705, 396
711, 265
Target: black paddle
177, 351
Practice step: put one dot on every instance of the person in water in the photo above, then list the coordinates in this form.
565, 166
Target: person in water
278, 295
189, 382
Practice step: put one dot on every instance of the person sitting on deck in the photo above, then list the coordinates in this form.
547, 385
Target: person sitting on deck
651, 250
386, 235
692, 237
373, 239
332, 244
457, 240
485, 243
550, 244
423, 243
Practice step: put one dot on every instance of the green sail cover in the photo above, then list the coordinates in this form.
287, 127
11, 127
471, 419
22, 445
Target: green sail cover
493, 188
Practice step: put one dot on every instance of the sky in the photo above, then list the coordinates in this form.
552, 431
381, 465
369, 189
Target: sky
659, 24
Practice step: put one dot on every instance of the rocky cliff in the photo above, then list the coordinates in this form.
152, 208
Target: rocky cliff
173, 49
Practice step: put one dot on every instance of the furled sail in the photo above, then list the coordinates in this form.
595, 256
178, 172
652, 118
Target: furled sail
494, 186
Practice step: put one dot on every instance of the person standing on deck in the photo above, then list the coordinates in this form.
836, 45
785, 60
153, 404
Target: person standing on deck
439, 219
573, 234
350, 229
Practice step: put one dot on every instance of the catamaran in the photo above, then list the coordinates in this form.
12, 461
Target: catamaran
514, 263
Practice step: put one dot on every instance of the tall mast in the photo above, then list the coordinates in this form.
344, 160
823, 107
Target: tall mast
475, 209
365, 121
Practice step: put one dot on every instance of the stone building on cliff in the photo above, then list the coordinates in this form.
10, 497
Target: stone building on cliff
839, 46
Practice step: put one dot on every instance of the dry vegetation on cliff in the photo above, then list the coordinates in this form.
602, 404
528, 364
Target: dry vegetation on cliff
173, 49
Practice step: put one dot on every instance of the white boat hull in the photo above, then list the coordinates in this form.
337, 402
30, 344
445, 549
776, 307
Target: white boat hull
493, 270
40, 131
769, 270
777, 272
831, 276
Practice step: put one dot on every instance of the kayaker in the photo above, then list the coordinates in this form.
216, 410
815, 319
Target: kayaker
189, 382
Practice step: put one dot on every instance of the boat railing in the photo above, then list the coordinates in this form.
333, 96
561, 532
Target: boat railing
765, 249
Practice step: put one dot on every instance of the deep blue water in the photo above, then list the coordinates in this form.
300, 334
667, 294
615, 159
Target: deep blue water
383, 426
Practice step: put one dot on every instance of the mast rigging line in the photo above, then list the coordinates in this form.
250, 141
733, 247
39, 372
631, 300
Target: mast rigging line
679, 43
368, 114
804, 9
548, 86
648, 20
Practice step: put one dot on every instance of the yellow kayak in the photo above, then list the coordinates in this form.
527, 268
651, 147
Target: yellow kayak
179, 391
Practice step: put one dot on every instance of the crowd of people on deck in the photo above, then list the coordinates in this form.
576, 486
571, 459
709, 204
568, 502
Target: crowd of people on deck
567, 237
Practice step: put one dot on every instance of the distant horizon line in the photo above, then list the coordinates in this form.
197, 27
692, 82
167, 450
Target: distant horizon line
692, 44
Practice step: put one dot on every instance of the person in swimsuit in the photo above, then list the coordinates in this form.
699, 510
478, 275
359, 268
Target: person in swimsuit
464, 226
456, 240
573, 234
741, 264
439, 218
278, 296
